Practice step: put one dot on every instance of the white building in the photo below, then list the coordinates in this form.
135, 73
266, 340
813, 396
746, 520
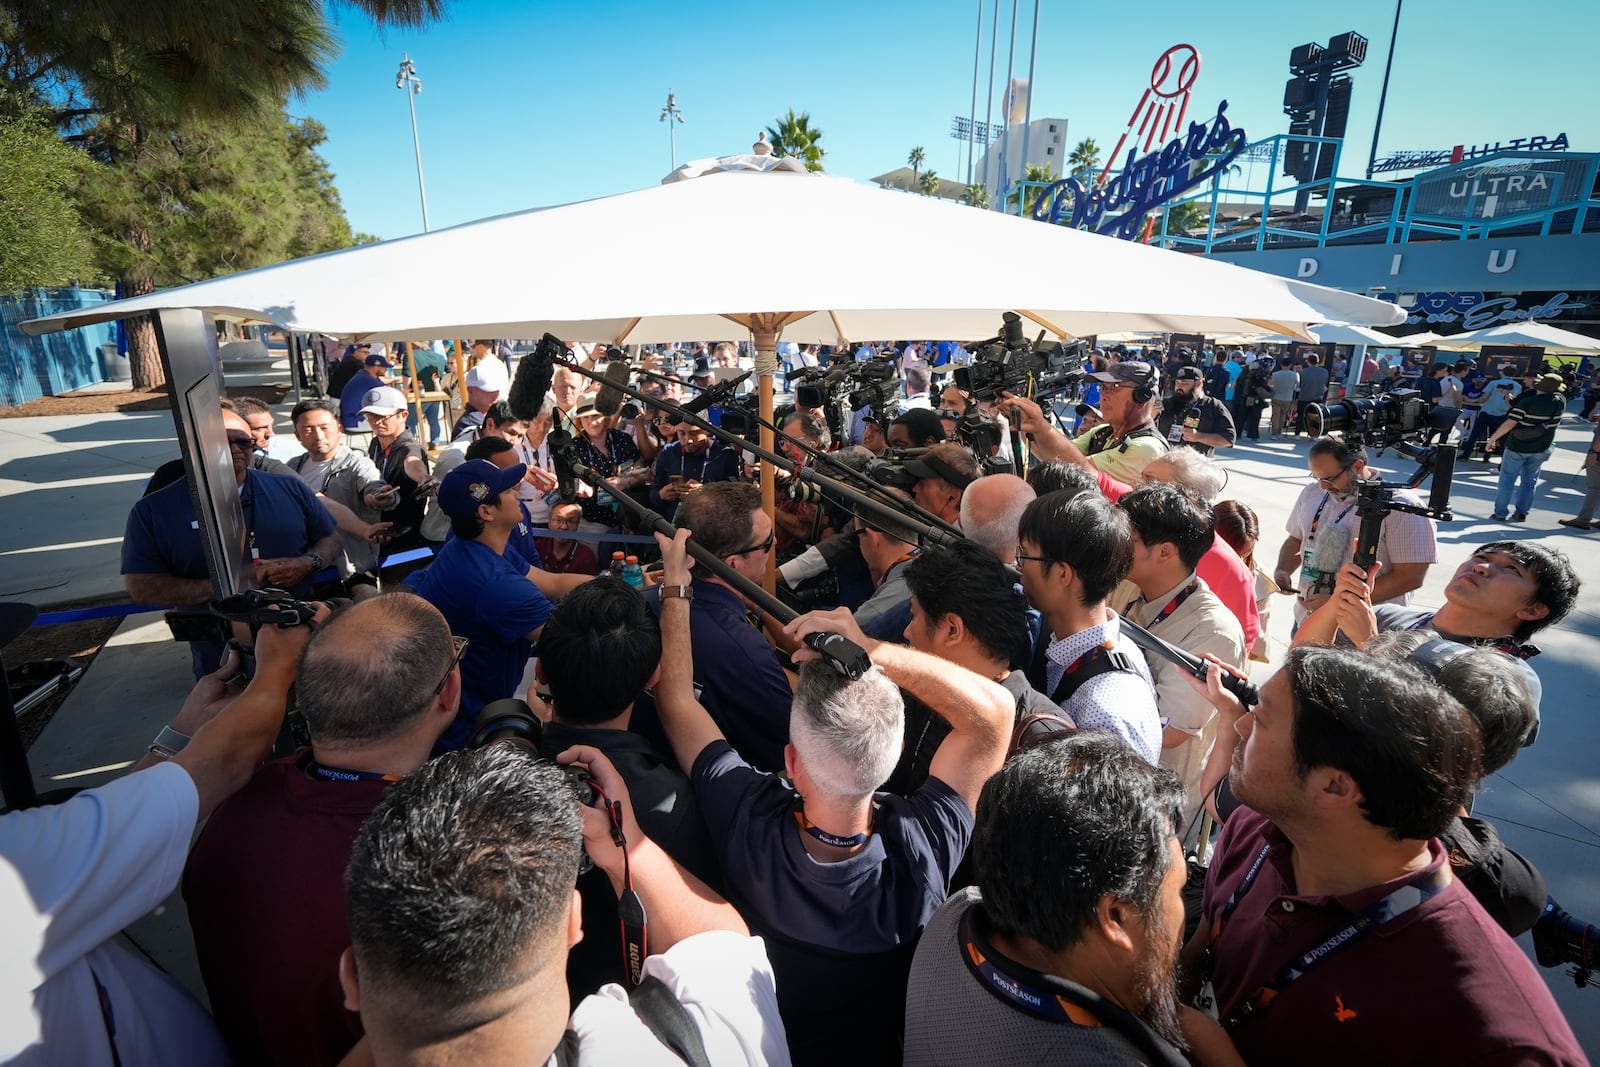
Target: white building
1046, 142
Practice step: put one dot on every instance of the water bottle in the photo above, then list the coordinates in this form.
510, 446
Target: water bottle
617, 565
632, 573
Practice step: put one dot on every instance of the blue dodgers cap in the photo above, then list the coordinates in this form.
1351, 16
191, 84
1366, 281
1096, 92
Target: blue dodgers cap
476, 482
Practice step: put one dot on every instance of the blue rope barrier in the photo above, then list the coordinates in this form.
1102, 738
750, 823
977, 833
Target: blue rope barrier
107, 611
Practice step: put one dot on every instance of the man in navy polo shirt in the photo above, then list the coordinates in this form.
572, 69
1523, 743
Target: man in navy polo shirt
691, 461
484, 594
737, 673
837, 878
1332, 923
289, 537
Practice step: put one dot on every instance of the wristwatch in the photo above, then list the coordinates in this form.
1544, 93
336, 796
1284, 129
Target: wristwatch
677, 592
316, 561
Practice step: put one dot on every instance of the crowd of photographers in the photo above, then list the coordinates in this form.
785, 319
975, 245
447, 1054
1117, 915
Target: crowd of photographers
564, 790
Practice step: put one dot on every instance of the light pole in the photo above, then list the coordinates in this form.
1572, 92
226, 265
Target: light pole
406, 78
672, 116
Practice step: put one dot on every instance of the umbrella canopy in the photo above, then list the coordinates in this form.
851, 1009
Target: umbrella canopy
1322, 334
799, 252
1555, 341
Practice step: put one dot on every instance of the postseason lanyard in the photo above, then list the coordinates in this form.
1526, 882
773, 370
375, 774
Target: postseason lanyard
1368, 920
248, 502
1174, 604
853, 841
323, 772
1042, 997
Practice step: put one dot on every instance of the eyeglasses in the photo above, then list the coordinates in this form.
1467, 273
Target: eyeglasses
460, 646
1342, 472
241, 444
1043, 561
762, 547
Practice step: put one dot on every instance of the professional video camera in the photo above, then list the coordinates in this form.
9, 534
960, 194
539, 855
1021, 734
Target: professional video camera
1009, 364
873, 382
1558, 938
1378, 422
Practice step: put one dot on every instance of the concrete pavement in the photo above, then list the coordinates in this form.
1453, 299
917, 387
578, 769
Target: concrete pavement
69, 482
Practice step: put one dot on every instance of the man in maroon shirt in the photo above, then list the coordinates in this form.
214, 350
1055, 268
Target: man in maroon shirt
265, 882
1332, 928
564, 555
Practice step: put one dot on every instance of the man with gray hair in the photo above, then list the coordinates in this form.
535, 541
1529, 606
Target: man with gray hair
836, 877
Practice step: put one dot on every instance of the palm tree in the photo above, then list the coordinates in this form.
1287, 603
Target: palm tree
928, 182
976, 195
1031, 173
915, 161
795, 136
1183, 219
1086, 156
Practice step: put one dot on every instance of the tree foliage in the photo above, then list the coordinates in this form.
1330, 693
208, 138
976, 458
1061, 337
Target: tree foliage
221, 195
1030, 173
1085, 156
793, 135
45, 241
181, 103
928, 183
976, 195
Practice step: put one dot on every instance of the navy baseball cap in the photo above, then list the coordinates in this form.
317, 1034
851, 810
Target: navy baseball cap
474, 483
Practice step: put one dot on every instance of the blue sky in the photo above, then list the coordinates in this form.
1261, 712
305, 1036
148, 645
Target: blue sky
530, 104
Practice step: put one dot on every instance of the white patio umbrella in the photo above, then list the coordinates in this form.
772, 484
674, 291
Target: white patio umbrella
1555, 341
800, 253
1415, 340
772, 252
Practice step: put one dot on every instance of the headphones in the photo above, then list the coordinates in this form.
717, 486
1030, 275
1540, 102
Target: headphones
1143, 394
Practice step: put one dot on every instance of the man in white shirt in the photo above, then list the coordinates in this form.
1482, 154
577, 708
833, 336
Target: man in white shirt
74, 874
1073, 549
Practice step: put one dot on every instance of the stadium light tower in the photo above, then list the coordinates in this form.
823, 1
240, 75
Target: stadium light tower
406, 78
672, 116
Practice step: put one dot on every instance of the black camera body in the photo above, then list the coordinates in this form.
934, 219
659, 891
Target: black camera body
1010, 364
1560, 938
512, 721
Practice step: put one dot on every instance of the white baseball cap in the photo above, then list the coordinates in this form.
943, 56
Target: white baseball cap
490, 375
384, 400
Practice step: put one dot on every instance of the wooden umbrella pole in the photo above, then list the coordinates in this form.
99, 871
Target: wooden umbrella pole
461, 380
764, 333
416, 386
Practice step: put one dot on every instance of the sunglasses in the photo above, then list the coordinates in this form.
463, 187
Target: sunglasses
241, 444
762, 547
459, 644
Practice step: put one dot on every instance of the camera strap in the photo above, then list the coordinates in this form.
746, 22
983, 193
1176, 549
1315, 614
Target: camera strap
630, 909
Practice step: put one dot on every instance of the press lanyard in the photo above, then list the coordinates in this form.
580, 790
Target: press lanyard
1318, 516
1174, 604
913, 554
853, 841
683, 465
339, 774
1042, 996
249, 505
1366, 921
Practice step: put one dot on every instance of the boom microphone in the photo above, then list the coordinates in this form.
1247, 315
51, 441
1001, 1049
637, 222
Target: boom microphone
534, 375
560, 441
608, 401
720, 393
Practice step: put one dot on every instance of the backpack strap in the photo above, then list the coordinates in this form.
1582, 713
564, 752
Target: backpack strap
669, 1021
1095, 662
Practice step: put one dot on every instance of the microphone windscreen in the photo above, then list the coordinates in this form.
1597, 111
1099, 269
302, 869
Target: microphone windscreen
608, 401
534, 373
1332, 551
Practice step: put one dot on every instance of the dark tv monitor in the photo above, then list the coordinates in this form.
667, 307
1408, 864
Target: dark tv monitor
187, 340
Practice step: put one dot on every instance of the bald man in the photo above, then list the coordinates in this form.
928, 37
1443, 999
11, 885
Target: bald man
990, 510
289, 537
